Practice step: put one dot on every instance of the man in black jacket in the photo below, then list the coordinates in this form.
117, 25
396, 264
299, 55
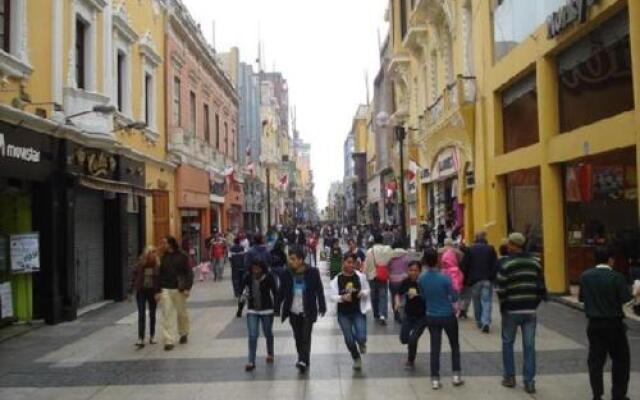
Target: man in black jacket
604, 293
481, 263
175, 279
303, 300
237, 256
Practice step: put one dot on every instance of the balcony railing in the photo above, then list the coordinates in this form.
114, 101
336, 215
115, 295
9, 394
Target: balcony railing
455, 95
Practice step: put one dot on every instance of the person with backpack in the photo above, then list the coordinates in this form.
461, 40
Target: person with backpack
350, 290
410, 306
260, 294
377, 271
218, 257
303, 301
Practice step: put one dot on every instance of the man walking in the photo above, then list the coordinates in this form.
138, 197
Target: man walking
176, 279
303, 300
237, 254
521, 288
604, 292
481, 264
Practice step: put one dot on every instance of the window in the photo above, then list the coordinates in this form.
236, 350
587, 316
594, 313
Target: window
595, 79
192, 110
226, 139
177, 101
81, 30
148, 99
5, 25
515, 20
121, 73
217, 132
207, 133
520, 114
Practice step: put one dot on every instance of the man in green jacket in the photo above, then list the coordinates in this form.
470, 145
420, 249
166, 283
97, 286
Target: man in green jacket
604, 293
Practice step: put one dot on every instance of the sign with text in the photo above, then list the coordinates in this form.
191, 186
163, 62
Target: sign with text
25, 253
572, 12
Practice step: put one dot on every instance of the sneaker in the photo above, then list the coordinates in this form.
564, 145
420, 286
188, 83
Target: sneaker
269, 359
485, 329
530, 387
302, 367
140, 343
168, 347
509, 382
383, 321
184, 339
152, 340
457, 380
357, 364
249, 367
362, 348
435, 384
410, 366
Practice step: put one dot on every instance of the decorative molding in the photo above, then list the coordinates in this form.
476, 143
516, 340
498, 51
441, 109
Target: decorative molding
122, 25
96, 5
148, 50
12, 67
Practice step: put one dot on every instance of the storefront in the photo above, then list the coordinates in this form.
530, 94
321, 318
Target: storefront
106, 223
193, 203
601, 209
30, 227
444, 204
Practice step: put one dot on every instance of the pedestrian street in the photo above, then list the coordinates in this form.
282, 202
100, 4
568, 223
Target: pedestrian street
95, 358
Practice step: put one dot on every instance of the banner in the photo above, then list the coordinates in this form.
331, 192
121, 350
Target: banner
25, 253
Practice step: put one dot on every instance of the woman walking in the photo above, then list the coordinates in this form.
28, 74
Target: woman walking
413, 316
146, 286
350, 290
261, 296
439, 295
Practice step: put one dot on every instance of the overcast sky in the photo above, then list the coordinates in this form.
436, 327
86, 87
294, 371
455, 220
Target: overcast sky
322, 47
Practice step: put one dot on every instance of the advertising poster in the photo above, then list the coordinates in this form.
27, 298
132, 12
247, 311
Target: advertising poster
25, 253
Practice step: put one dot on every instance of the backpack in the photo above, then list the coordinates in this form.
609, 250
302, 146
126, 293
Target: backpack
382, 271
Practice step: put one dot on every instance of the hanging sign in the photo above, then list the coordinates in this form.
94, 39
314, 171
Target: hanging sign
572, 12
25, 253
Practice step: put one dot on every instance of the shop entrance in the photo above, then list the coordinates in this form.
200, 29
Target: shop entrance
601, 209
191, 234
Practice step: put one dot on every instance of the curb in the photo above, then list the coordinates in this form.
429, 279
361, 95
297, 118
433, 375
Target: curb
567, 302
19, 330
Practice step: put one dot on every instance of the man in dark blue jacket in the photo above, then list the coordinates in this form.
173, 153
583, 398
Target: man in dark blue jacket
303, 300
481, 262
259, 252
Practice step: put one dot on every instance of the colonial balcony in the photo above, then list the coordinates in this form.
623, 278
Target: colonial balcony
446, 108
184, 147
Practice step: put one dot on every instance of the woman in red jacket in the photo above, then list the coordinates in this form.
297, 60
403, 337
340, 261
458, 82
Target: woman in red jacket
146, 286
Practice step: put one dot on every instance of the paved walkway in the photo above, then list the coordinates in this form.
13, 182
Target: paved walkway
94, 358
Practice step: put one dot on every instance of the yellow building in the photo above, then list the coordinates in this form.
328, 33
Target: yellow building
432, 69
558, 129
81, 144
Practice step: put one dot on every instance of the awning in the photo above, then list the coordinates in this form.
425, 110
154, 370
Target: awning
107, 185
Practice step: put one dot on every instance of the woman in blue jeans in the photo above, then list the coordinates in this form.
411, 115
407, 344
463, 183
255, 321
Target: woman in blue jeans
350, 290
439, 296
260, 292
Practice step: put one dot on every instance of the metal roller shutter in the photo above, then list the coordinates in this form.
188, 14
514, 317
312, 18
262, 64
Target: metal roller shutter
89, 246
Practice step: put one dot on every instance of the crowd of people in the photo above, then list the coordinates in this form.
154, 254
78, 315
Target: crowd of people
276, 276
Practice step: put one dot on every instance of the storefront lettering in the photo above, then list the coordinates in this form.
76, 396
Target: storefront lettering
27, 154
95, 163
574, 11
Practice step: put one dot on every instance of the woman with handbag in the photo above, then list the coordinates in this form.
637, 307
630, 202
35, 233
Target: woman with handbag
146, 287
377, 271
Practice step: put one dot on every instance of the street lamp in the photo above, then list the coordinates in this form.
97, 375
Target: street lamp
382, 121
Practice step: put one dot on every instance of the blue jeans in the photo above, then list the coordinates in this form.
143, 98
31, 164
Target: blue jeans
482, 293
379, 298
510, 324
354, 330
253, 322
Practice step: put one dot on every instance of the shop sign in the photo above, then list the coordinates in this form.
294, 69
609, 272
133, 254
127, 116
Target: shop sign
446, 164
425, 175
21, 153
92, 162
572, 12
25, 253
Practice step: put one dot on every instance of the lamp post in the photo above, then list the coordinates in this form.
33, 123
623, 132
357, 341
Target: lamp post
401, 134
